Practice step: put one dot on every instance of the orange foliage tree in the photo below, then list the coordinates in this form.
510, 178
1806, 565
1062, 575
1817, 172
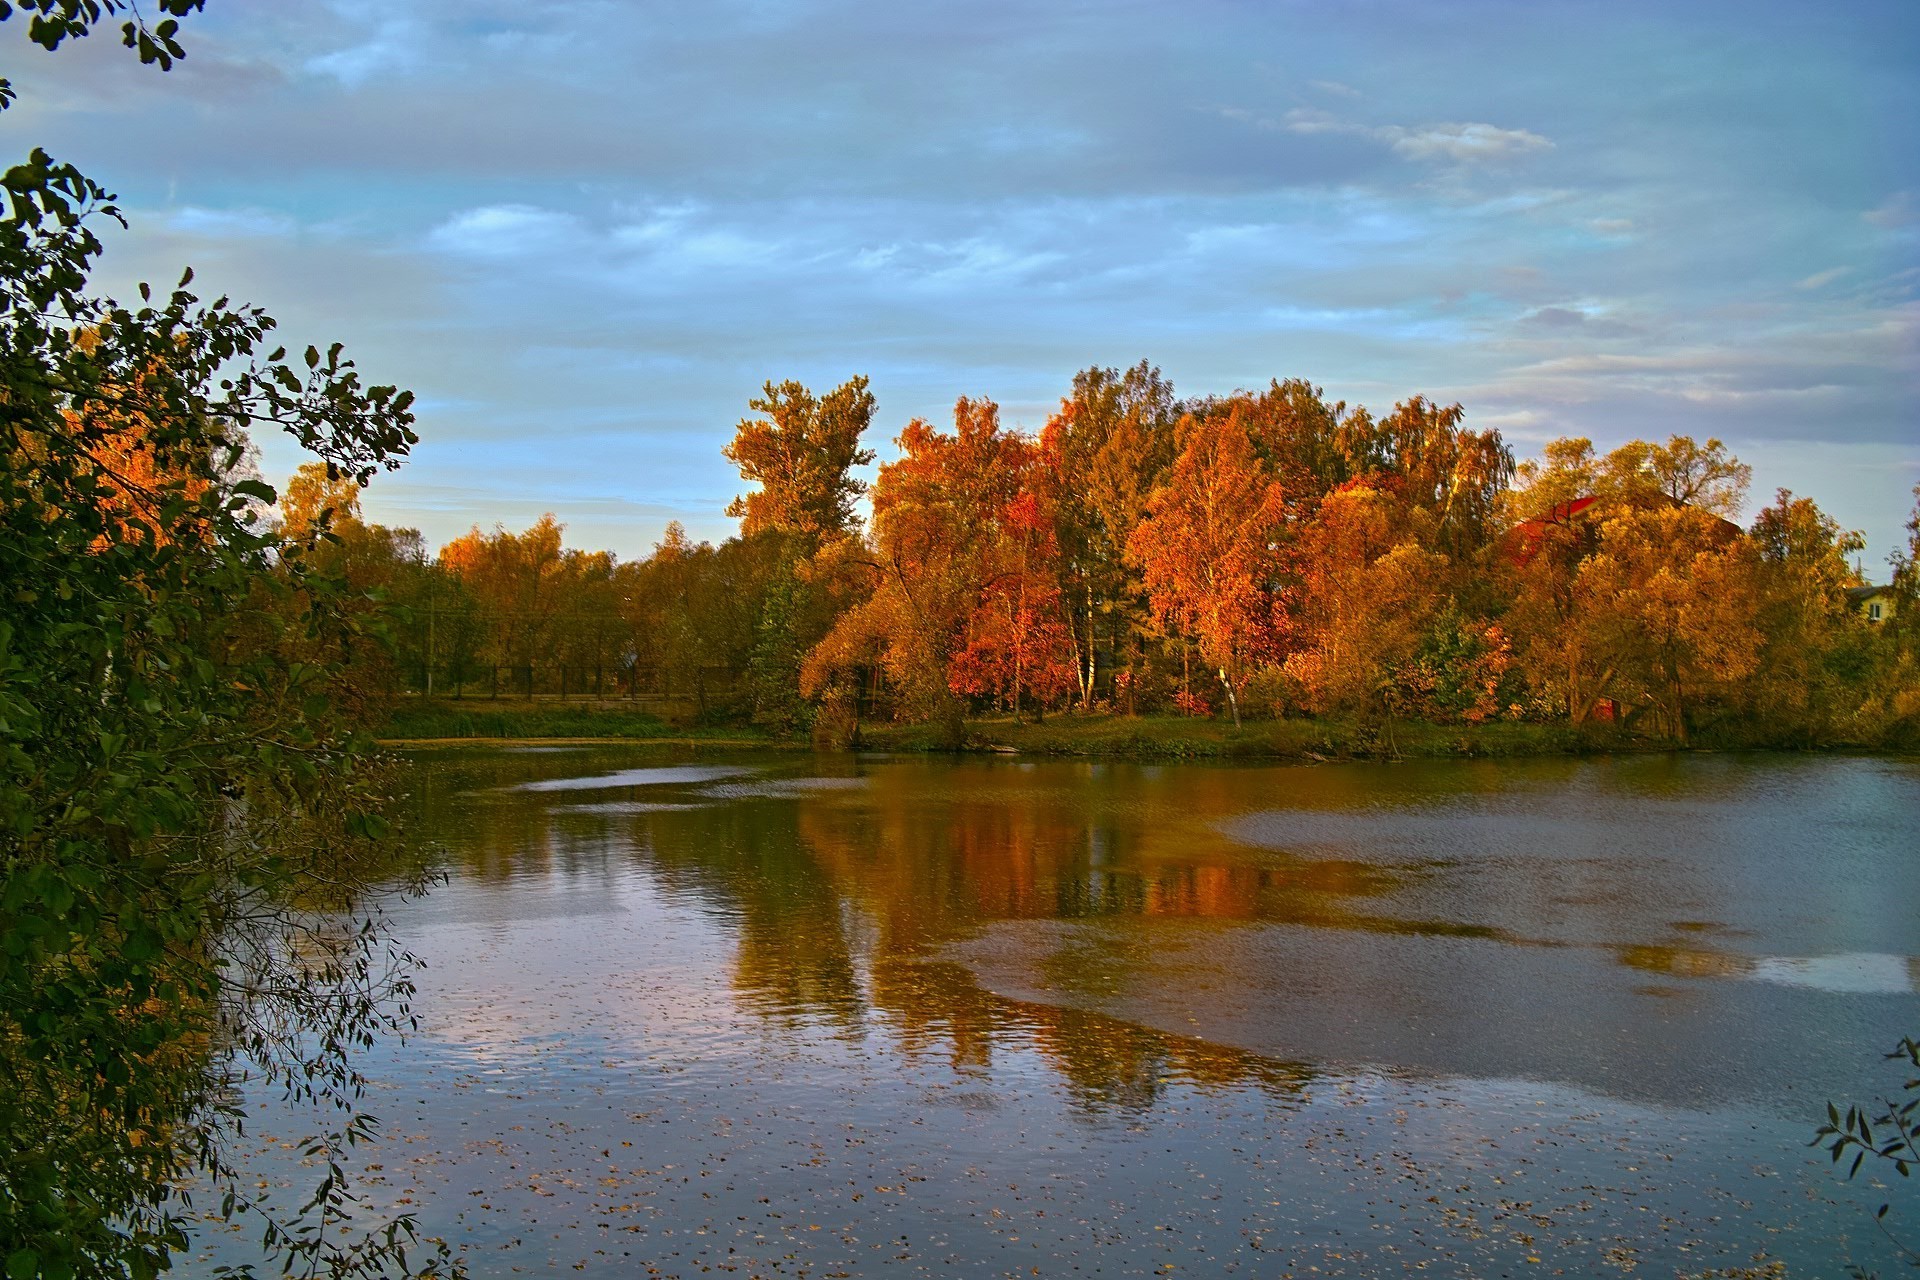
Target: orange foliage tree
518, 579
1365, 595
1208, 547
1017, 639
959, 566
802, 455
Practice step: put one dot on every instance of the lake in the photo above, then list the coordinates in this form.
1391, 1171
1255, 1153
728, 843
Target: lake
795, 1015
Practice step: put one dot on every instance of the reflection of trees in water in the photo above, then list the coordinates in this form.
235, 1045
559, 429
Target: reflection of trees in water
1112, 1065
286, 973
938, 1011
749, 863
835, 898
931, 873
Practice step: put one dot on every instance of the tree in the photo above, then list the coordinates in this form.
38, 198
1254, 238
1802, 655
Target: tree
171, 796
1695, 475
1365, 599
1450, 480
1105, 450
519, 580
1016, 639
802, 455
1313, 447
1906, 580
1674, 610
314, 499
1207, 547
936, 519
1814, 659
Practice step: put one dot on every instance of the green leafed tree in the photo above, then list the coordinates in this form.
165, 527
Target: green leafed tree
183, 810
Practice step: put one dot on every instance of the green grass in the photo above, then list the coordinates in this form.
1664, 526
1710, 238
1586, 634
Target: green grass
420, 720
1157, 737
1180, 737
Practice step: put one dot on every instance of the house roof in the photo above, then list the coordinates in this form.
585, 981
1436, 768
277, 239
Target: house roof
1860, 595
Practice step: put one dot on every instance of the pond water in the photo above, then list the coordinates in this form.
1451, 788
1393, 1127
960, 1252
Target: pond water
838, 1016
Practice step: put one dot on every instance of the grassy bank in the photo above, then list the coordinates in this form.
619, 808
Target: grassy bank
1182, 737
1132, 737
419, 720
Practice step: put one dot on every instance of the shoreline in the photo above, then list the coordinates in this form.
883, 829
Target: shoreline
1071, 735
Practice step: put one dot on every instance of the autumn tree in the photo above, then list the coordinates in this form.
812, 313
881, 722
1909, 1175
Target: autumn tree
1365, 595
313, 498
517, 577
937, 515
1105, 449
1905, 584
1681, 471
1312, 446
1637, 474
1450, 480
1815, 662
802, 454
1206, 548
1672, 611
1016, 640
1895, 701
1618, 566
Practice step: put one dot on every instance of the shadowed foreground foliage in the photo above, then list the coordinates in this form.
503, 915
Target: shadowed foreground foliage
189, 827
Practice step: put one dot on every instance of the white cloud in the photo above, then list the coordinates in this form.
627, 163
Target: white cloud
503, 230
224, 224
1900, 209
1299, 120
1461, 143
1455, 143
393, 47
1335, 88
1821, 278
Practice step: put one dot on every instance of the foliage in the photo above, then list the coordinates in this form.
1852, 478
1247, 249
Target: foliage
1814, 658
1269, 552
1363, 604
1140, 548
171, 790
1888, 1131
1206, 547
1103, 450
774, 668
1460, 668
940, 518
801, 455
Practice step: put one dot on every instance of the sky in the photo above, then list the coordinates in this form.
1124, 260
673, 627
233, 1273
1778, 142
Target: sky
585, 233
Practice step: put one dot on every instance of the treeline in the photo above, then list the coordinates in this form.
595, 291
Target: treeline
1265, 553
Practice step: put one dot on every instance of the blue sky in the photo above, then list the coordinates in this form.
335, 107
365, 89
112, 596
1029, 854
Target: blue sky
585, 233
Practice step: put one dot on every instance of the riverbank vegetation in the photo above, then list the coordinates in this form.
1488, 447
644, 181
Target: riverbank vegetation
190, 826
1266, 556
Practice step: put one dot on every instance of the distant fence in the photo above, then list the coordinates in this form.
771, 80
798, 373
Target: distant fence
565, 682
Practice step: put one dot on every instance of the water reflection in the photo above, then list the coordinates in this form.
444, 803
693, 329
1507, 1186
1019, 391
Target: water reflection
1855, 973
1560, 920
653, 777
841, 1016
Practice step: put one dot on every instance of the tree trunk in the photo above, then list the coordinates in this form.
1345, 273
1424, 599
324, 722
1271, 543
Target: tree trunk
1086, 684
